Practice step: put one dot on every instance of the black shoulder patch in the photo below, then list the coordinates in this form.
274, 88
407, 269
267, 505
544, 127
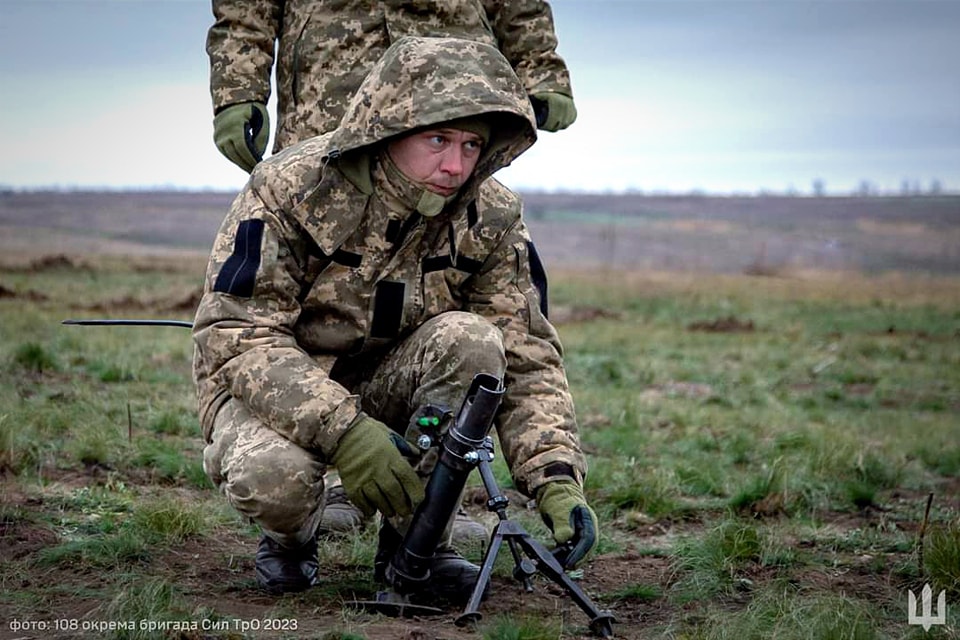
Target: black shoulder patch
387, 309
473, 216
539, 276
238, 273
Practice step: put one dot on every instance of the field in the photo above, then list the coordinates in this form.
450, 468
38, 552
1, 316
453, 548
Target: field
768, 391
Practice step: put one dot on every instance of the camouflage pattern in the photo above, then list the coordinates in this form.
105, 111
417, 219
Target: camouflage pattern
324, 49
265, 476
307, 347
280, 485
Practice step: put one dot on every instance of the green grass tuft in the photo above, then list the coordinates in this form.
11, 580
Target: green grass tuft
342, 635
175, 422
638, 592
20, 448
167, 461
523, 628
788, 615
153, 601
35, 358
98, 444
168, 520
712, 564
941, 558
120, 549
631, 487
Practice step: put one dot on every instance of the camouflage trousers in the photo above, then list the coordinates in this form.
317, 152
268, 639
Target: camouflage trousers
279, 485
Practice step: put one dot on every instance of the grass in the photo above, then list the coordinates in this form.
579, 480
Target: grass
715, 562
767, 443
34, 358
942, 558
510, 628
155, 601
784, 614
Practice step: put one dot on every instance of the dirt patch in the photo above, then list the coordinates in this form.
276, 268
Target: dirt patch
179, 302
19, 539
45, 262
857, 581
20, 536
728, 324
677, 389
188, 301
29, 295
577, 314
57, 262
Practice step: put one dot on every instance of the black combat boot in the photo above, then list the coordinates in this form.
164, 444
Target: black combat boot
340, 516
452, 577
284, 570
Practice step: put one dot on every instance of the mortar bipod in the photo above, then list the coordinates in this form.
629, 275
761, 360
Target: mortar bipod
518, 540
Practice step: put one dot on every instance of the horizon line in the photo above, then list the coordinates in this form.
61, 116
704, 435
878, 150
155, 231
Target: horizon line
630, 191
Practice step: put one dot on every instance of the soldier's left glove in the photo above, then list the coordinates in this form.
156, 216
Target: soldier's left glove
374, 472
554, 111
573, 523
240, 131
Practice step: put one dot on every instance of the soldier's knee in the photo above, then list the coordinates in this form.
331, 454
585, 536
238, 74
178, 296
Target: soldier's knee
280, 488
471, 340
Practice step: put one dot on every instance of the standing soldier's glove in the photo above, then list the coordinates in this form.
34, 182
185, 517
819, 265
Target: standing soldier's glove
241, 131
554, 111
573, 523
374, 473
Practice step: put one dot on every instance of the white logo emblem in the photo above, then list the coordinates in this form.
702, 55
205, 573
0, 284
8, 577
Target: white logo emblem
926, 617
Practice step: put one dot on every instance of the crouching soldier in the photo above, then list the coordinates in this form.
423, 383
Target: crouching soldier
364, 273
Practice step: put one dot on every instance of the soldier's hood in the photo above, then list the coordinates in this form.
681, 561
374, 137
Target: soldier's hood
423, 82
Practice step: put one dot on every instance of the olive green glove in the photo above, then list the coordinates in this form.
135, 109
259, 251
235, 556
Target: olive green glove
554, 111
241, 131
573, 523
374, 473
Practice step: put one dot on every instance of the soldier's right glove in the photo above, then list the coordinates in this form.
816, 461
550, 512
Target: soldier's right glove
573, 523
241, 131
374, 473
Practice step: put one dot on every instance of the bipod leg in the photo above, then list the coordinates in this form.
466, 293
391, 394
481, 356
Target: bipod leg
543, 561
471, 612
523, 569
600, 621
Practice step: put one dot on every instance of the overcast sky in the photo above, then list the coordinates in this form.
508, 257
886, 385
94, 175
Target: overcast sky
674, 95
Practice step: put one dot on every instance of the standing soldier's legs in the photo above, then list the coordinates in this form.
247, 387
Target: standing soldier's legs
435, 365
276, 484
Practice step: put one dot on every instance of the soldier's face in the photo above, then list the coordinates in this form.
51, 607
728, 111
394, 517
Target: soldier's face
440, 160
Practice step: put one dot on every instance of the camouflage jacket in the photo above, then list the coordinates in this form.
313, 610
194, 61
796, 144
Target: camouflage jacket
300, 262
325, 48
